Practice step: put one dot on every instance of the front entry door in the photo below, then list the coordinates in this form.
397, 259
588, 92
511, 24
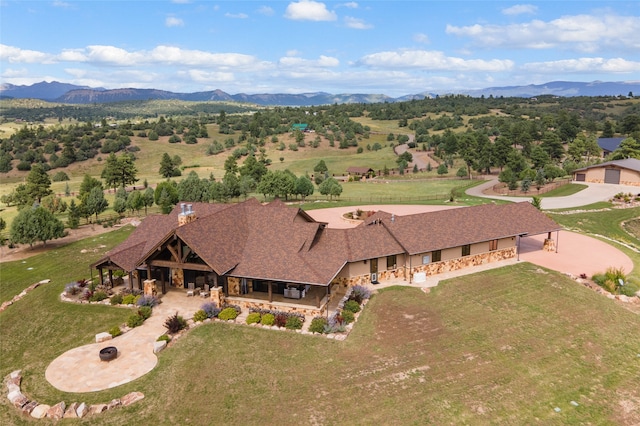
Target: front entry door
374, 270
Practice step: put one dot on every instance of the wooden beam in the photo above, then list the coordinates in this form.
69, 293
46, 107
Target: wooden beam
174, 254
170, 264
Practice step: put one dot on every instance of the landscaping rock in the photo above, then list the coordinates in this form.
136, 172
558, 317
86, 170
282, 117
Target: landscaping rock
82, 410
131, 398
16, 376
40, 411
113, 404
71, 411
29, 407
97, 408
158, 346
103, 337
17, 399
57, 411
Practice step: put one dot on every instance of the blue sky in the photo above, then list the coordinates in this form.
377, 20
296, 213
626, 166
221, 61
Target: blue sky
388, 47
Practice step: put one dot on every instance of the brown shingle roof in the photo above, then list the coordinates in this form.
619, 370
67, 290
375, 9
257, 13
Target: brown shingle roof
424, 232
280, 243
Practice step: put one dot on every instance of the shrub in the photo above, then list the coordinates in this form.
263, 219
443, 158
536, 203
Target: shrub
98, 296
253, 318
293, 323
86, 294
144, 312
129, 299
200, 315
116, 299
134, 320
147, 300
115, 331
318, 324
71, 289
163, 337
228, 314
268, 319
360, 293
335, 325
348, 316
281, 319
175, 323
610, 280
211, 309
352, 305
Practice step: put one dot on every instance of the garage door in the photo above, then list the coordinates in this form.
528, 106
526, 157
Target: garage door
612, 176
581, 177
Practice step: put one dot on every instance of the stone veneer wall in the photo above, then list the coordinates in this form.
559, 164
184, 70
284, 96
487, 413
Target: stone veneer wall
264, 304
433, 268
466, 261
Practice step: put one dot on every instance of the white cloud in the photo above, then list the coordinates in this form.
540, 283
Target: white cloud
172, 21
357, 24
236, 15
432, 60
308, 10
584, 65
266, 11
585, 33
520, 9
321, 62
421, 38
350, 5
59, 3
16, 55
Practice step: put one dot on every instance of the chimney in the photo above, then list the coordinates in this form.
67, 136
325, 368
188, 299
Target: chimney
187, 215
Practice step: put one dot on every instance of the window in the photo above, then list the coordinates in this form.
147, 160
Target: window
436, 256
493, 245
391, 262
425, 259
466, 249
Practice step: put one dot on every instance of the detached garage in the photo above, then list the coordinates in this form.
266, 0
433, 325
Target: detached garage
618, 172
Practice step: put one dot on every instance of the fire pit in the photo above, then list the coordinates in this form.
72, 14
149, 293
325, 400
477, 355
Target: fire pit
109, 353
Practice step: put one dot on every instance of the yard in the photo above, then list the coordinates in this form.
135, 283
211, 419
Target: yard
505, 346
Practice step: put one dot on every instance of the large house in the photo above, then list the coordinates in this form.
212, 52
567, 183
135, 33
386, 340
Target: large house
277, 257
617, 172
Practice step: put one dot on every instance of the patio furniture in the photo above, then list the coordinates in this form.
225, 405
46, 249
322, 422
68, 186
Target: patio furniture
292, 293
191, 289
205, 292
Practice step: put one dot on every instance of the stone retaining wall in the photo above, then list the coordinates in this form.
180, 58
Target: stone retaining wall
60, 410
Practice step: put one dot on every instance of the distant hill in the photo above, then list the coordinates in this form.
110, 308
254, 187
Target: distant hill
71, 94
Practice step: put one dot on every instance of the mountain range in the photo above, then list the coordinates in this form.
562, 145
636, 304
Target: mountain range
71, 94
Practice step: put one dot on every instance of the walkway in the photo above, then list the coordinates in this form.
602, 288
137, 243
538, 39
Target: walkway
594, 193
135, 352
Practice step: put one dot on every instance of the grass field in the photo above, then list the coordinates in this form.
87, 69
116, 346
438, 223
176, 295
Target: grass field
504, 347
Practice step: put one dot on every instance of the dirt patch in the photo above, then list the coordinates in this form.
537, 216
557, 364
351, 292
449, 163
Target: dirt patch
25, 251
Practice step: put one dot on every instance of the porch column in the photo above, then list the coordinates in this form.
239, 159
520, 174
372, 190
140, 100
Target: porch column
270, 291
317, 300
131, 278
162, 281
101, 277
138, 279
111, 277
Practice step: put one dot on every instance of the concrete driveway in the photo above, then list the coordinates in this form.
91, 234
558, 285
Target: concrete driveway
594, 193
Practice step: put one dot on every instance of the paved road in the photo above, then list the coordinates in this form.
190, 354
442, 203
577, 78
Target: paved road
594, 193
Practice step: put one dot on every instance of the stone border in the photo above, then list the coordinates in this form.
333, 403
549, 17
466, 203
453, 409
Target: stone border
60, 410
22, 294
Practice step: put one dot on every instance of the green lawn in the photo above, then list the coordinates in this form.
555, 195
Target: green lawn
565, 190
503, 347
